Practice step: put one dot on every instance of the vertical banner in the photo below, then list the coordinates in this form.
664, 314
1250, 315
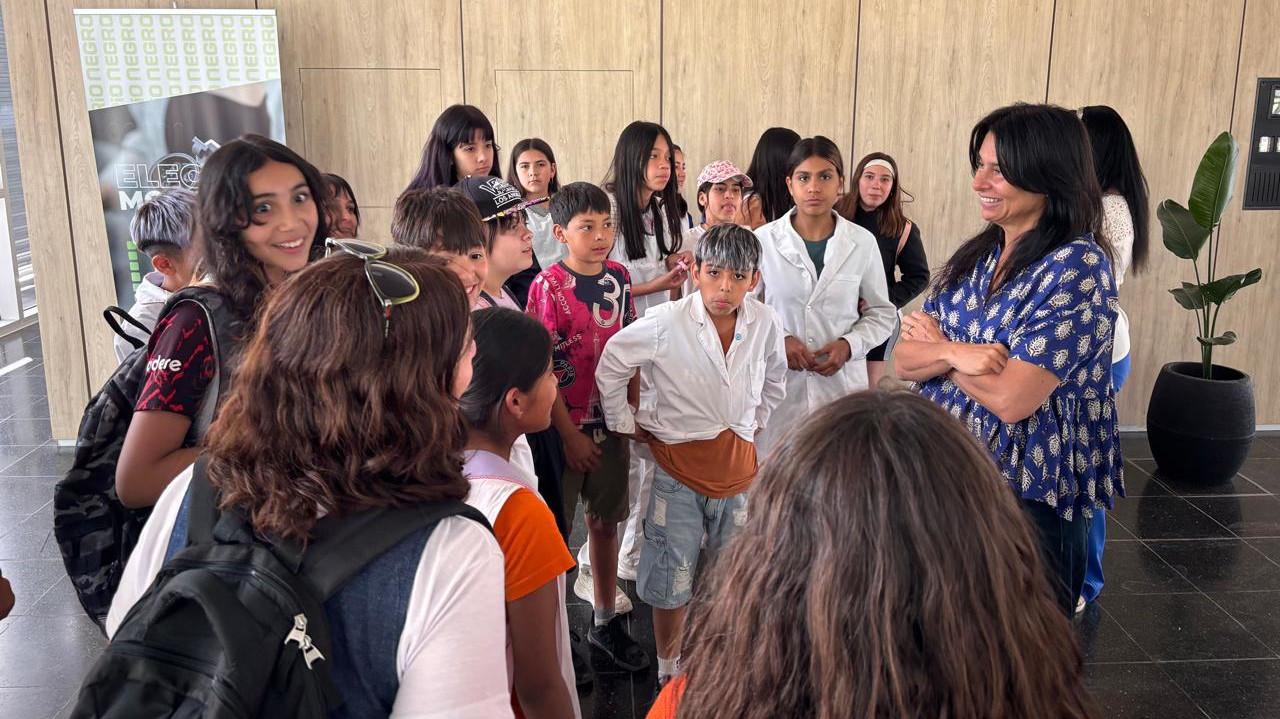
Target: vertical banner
165, 88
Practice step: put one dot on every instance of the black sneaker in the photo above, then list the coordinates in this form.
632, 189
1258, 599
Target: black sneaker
583, 676
614, 641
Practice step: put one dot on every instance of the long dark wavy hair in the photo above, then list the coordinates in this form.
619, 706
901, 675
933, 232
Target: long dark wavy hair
889, 216
1115, 159
768, 171
455, 126
225, 206
873, 580
625, 180
537, 144
1042, 149
319, 423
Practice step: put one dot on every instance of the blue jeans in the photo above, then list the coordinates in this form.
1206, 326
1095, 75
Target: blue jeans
674, 525
1098, 525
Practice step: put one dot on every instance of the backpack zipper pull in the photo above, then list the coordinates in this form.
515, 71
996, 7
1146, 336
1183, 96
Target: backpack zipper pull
299, 636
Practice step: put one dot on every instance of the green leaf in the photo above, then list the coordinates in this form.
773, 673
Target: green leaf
1221, 290
1182, 234
1225, 338
1214, 182
1190, 296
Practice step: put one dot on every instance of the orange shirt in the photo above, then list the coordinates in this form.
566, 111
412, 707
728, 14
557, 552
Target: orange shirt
715, 468
664, 707
532, 548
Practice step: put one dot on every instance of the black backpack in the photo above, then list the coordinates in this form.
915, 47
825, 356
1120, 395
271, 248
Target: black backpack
235, 627
95, 532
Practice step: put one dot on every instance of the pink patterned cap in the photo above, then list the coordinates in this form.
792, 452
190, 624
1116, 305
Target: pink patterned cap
722, 170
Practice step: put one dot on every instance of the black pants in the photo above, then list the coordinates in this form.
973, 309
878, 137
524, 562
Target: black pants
1064, 549
549, 464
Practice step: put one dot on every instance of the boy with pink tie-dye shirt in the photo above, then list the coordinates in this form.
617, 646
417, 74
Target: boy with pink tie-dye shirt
583, 300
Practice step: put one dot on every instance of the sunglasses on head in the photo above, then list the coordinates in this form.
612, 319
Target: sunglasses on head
391, 285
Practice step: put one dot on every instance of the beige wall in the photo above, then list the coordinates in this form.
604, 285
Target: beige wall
364, 80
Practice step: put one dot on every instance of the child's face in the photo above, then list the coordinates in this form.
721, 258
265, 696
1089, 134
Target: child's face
657, 173
472, 267
723, 289
512, 249
815, 186
537, 403
680, 170
343, 223
535, 173
283, 220
588, 236
722, 201
474, 157
874, 185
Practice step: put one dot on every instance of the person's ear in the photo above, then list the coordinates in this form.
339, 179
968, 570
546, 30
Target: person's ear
514, 402
164, 264
755, 280
558, 232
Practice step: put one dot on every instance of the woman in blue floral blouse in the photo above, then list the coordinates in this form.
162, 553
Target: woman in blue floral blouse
1014, 339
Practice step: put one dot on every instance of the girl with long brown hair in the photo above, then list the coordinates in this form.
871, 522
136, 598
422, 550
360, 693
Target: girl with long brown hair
885, 570
346, 400
874, 203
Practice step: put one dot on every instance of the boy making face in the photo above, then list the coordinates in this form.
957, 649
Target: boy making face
712, 404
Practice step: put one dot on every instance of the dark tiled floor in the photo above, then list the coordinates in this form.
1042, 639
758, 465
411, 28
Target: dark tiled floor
1188, 625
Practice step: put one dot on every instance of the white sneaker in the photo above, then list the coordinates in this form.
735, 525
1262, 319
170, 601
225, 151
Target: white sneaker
628, 570
1080, 605
586, 591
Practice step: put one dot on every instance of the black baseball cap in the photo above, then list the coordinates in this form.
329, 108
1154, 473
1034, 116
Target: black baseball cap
494, 196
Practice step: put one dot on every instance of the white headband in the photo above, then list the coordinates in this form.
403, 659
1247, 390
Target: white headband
879, 163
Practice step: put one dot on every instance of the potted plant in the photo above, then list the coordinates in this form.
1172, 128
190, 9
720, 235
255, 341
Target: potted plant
1201, 418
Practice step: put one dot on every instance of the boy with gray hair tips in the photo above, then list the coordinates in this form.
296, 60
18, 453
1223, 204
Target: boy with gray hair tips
165, 230
717, 366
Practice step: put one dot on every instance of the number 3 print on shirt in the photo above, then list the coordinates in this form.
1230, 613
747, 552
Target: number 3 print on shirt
612, 298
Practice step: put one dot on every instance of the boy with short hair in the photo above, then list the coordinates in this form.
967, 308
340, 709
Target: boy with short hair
584, 300
165, 230
445, 223
717, 366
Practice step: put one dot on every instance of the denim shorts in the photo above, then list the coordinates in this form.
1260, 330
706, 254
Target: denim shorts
675, 523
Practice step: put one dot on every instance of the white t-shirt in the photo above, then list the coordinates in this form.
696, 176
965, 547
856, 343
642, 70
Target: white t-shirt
1117, 227
546, 247
148, 300
452, 650
645, 269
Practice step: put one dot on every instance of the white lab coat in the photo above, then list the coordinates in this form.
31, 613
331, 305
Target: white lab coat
817, 310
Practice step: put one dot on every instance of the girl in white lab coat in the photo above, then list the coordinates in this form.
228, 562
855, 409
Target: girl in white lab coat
815, 268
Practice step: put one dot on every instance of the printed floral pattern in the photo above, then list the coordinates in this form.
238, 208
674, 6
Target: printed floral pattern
1058, 314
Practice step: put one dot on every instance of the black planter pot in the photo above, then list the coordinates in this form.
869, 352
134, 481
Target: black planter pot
1200, 429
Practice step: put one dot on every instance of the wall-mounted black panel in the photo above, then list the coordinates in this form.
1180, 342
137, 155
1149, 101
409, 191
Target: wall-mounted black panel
1262, 171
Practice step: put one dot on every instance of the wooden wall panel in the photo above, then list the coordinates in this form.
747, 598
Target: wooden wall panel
363, 82
927, 72
610, 50
1169, 69
370, 34
371, 124
722, 88
547, 104
49, 222
1252, 239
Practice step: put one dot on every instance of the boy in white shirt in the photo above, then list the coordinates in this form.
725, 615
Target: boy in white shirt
717, 365
164, 229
